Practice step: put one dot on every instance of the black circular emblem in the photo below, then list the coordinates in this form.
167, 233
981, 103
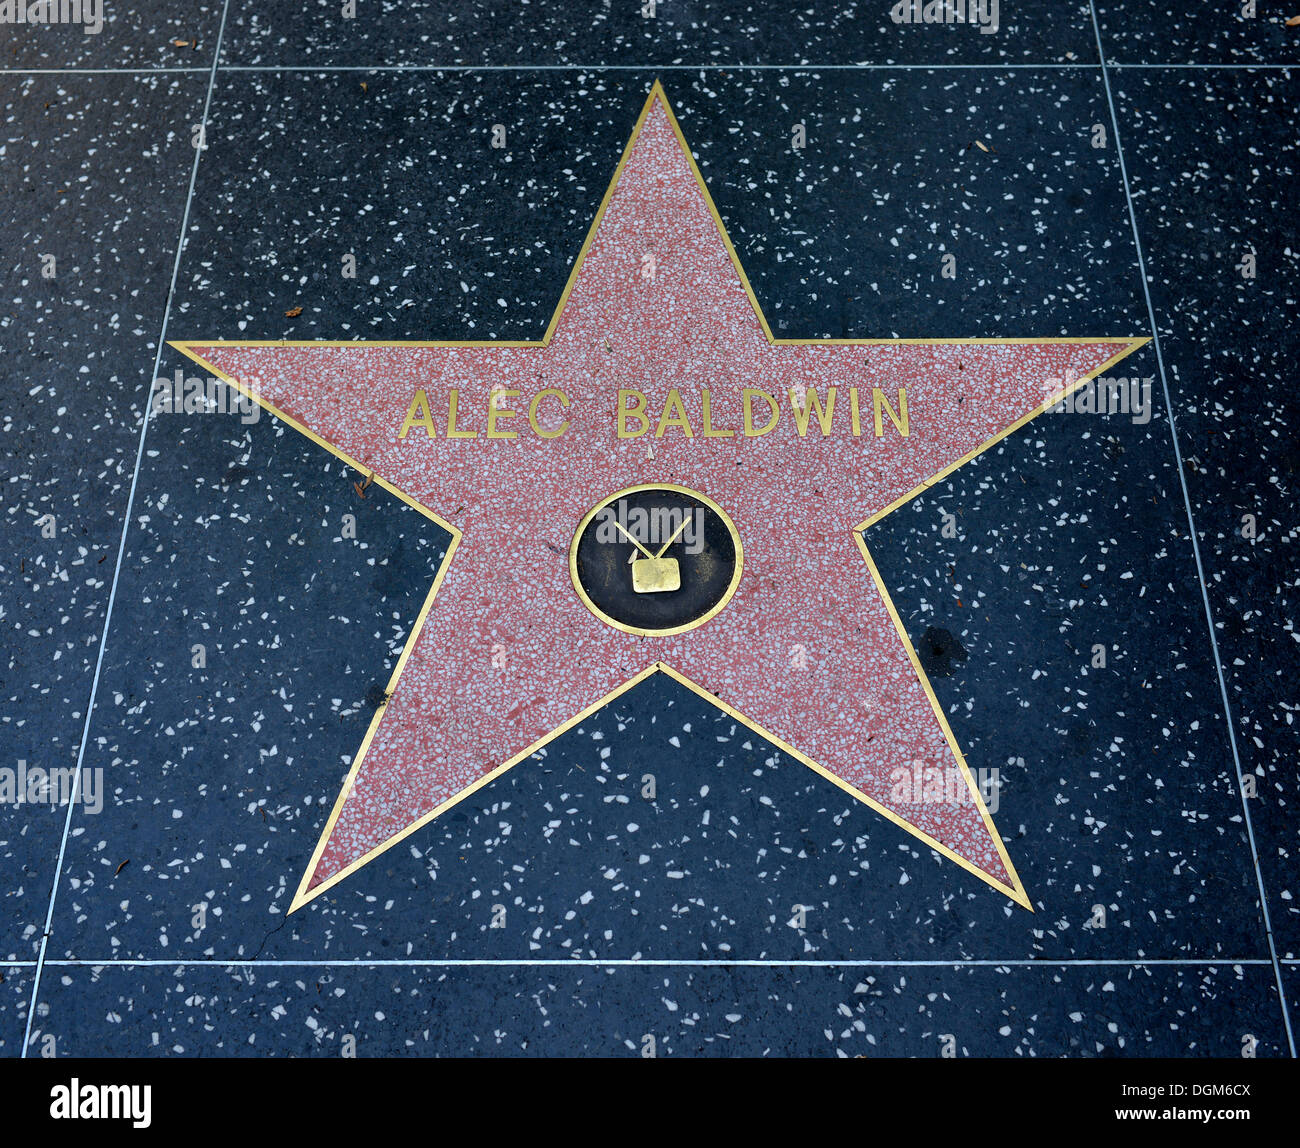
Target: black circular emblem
655, 559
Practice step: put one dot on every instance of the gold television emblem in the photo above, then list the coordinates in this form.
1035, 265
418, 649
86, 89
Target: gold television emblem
655, 575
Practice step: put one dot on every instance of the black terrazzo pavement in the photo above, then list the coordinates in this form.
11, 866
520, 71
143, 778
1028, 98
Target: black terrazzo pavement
96, 177
1120, 786
15, 999
1232, 346
281, 1010
170, 34
536, 34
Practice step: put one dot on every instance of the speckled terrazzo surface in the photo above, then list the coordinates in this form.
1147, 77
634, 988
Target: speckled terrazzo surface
1120, 783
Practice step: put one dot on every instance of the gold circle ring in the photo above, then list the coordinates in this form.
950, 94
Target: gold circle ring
711, 612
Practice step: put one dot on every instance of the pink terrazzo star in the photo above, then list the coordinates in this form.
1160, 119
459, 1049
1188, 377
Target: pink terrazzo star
809, 650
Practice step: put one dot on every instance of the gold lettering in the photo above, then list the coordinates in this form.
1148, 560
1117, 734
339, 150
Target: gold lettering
813, 405
879, 400
707, 412
452, 430
495, 413
637, 412
857, 414
419, 403
532, 413
748, 400
679, 420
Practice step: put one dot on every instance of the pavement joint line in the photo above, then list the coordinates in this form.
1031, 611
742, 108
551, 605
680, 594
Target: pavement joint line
994, 67
1191, 529
121, 545
652, 962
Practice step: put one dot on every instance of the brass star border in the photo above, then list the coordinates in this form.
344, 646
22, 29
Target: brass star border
1016, 892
